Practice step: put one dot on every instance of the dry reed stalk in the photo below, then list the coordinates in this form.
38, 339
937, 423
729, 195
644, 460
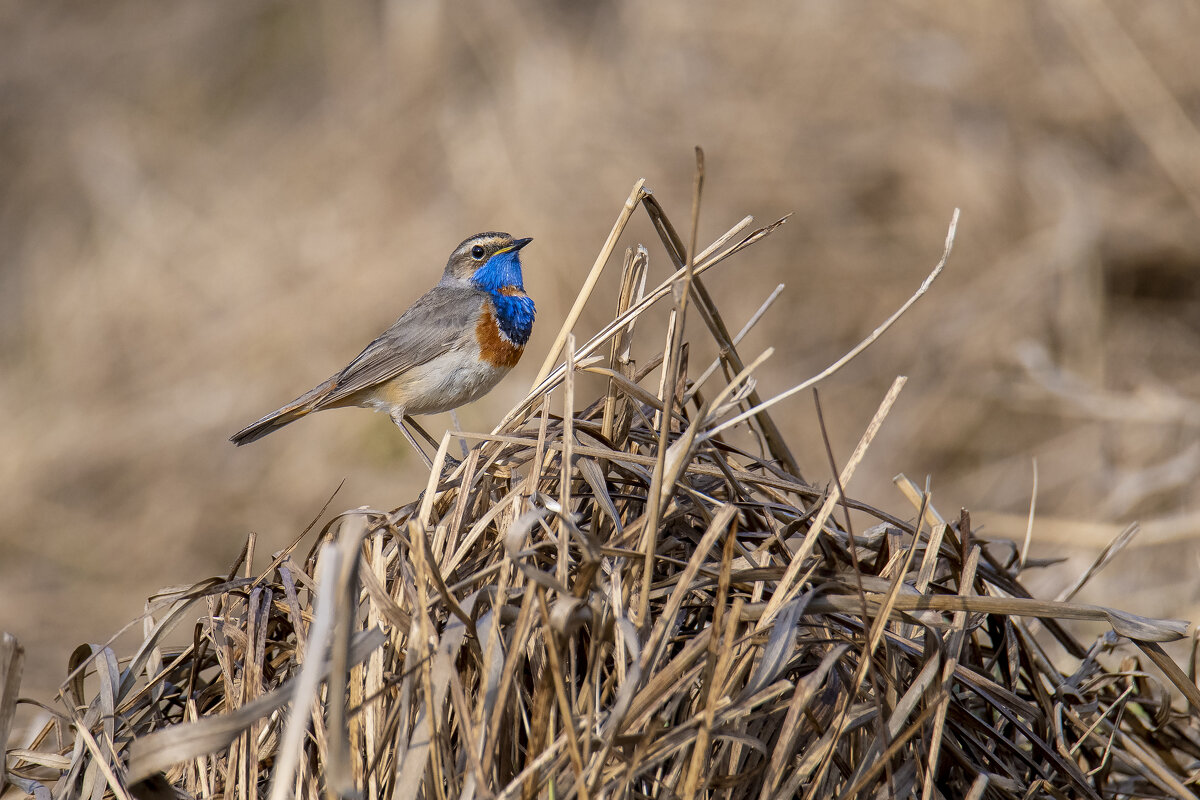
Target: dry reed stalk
624, 602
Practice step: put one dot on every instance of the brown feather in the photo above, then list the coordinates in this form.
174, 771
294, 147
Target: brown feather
494, 346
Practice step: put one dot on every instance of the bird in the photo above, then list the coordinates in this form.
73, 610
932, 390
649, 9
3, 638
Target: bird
452, 346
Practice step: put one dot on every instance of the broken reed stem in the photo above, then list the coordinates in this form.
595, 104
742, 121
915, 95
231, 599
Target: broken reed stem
589, 284
633, 286
716, 325
671, 368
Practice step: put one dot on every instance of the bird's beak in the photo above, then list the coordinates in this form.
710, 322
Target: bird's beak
514, 247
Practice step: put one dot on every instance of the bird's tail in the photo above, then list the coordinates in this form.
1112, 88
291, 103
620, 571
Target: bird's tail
300, 407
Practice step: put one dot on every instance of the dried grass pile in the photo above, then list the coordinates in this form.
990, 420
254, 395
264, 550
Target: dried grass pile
626, 602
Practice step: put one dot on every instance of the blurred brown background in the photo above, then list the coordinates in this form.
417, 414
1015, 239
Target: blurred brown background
206, 208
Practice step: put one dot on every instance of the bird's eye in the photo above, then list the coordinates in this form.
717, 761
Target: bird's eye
477, 252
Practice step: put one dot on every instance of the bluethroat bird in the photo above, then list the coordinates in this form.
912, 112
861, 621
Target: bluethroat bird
450, 347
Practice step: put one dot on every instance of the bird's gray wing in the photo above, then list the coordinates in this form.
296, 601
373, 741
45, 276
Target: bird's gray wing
437, 323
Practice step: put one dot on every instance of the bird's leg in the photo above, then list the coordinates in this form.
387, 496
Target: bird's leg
451, 462
399, 418
432, 442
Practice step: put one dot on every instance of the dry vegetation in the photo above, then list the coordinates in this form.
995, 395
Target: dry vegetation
207, 207
639, 599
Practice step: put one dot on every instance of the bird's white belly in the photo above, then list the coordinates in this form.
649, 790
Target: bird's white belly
446, 382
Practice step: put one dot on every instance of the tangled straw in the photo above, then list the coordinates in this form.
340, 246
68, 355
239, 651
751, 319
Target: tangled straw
628, 600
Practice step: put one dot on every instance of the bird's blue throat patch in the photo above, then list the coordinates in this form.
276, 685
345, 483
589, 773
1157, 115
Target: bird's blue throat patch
501, 278
514, 316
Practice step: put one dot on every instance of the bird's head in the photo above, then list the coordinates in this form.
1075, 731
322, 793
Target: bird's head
490, 261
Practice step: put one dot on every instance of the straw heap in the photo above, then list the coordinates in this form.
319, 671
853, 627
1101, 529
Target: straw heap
624, 602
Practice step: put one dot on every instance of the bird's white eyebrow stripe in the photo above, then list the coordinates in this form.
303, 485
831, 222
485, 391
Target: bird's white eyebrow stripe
491, 240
